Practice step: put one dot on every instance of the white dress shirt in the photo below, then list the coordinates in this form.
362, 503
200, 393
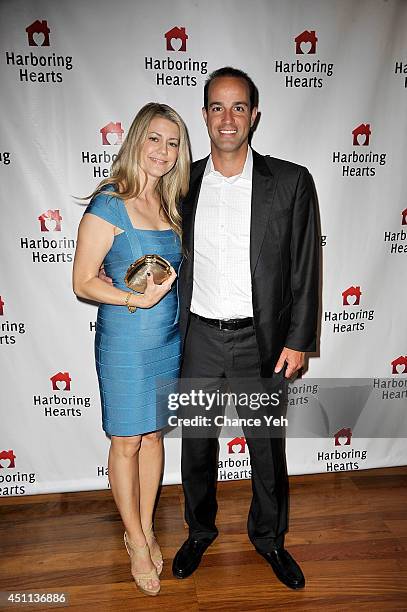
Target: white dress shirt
222, 279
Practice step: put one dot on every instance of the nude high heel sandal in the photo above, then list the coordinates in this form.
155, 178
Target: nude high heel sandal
142, 579
157, 557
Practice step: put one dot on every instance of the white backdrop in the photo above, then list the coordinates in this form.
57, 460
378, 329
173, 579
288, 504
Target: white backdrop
70, 72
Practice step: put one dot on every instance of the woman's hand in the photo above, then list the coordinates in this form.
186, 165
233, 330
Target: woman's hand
154, 293
95, 238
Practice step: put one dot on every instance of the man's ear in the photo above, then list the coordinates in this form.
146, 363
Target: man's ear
253, 115
205, 115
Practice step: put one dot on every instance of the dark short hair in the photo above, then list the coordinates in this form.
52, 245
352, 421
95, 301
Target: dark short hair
228, 71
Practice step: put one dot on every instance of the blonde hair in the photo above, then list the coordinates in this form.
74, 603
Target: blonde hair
172, 186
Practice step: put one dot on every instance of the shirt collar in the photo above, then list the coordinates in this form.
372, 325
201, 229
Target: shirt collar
246, 173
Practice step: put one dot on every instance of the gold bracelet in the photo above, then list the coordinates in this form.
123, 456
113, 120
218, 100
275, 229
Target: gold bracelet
126, 302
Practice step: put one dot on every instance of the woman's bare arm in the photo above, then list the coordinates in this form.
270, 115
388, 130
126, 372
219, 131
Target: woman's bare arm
95, 238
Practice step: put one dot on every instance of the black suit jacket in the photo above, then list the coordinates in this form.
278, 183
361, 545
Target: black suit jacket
283, 256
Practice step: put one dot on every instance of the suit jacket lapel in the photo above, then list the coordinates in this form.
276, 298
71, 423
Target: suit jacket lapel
263, 188
189, 206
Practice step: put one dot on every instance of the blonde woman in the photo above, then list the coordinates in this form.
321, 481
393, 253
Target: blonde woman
133, 213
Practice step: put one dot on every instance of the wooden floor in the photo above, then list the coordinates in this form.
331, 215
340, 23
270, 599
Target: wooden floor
347, 530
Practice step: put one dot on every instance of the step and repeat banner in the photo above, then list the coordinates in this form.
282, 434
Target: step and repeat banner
332, 78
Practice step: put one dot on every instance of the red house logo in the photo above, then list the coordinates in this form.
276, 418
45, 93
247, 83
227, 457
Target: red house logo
237, 442
346, 433
179, 35
351, 292
400, 361
61, 377
362, 130
50, 215
34, 32
112, 128
404, 217
7, 456
306, 38
1, 306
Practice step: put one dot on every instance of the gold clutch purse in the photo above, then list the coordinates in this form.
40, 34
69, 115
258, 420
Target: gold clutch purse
136, 275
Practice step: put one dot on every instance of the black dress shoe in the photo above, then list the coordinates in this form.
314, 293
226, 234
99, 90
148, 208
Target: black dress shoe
285, 567
189, 557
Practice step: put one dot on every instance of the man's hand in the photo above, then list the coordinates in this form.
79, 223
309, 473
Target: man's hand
294, 359
102, 276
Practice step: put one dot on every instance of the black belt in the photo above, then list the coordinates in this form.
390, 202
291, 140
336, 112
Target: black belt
229, 324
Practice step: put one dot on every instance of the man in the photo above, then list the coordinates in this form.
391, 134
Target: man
248, 303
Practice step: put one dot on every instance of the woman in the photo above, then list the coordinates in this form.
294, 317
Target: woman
134, 213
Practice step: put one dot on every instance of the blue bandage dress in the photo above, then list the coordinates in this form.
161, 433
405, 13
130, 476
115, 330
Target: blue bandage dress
137, 354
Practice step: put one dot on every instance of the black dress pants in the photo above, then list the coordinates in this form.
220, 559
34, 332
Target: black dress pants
219, 357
